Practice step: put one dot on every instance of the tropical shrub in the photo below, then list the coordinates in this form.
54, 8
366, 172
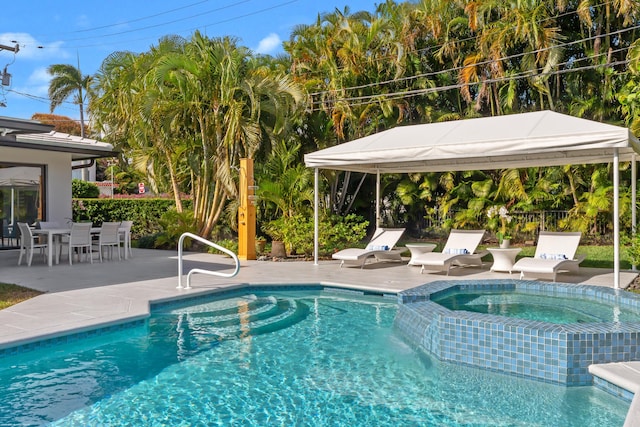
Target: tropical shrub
231, 244
335, 232
632, 248
173, 225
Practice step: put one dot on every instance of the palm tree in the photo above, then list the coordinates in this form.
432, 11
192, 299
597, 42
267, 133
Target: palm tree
68, 81
189, 110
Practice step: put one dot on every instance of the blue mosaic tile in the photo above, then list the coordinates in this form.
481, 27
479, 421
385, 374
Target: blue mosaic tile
613, 389
173, 303
69, 338
532, 349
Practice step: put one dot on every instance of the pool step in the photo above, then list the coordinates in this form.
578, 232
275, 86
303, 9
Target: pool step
623, 380
257, 316
625, 375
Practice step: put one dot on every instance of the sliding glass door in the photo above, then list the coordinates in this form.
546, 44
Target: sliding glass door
21, 198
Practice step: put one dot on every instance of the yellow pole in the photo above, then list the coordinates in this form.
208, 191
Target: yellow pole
247, 212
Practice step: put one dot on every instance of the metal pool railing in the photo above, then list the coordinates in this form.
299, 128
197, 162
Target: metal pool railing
200, 270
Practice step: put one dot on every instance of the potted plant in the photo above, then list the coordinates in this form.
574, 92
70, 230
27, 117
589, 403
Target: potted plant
502, 213
274, 230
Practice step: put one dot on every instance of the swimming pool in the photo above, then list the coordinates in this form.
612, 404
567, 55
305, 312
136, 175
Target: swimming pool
288, 357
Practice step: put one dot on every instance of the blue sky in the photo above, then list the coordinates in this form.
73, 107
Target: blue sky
68, 31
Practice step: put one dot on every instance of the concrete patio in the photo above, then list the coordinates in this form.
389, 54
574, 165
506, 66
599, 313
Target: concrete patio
86, 296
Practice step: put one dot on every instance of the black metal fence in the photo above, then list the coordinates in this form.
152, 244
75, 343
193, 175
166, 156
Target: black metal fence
525, 224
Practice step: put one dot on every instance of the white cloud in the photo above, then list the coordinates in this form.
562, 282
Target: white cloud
268, 44
30, 48
38, 82
39, 76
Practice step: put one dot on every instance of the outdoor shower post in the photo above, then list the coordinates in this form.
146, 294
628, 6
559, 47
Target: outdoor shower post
247, 212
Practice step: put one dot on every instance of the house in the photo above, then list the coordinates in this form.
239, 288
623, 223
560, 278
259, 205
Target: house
36, 171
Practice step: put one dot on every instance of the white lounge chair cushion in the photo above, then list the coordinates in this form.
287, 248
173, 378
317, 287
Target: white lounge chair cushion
383, 240
461, 245
352, 254
555, 252
435, 258
536, 265
380, 246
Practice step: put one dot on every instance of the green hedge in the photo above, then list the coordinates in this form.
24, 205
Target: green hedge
145, 213
84, 190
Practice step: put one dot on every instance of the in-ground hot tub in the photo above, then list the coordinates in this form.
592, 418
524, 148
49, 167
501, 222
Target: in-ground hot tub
539, 349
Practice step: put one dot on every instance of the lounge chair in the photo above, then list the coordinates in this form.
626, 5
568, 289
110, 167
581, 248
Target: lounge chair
459, 250
381, 246
555, 253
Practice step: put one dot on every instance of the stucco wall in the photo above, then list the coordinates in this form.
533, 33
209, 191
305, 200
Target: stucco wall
58, 180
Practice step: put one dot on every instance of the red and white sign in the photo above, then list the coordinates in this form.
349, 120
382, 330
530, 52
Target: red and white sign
141, 188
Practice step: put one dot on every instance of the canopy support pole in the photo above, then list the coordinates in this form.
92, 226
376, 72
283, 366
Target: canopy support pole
634, 220
616, 219
316, 199
377, 199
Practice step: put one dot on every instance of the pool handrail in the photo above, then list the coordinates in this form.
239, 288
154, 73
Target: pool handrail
200, 270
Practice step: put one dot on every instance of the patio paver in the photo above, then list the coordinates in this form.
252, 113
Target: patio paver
85, 296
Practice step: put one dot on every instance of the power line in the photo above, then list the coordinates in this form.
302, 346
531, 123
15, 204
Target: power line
490, 61
162, 24
143, 18
524, 74
438, 46
418, 92
189, 30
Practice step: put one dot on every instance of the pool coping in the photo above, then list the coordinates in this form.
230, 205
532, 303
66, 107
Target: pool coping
12, 347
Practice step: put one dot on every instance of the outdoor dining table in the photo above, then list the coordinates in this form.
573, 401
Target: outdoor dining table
51, 232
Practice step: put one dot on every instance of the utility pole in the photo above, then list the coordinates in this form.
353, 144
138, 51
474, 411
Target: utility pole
5, 76
14, 49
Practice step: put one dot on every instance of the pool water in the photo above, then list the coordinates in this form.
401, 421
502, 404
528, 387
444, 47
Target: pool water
531, 306
317, 358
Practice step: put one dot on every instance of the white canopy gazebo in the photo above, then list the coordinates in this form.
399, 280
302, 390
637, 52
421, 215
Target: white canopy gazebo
543, 138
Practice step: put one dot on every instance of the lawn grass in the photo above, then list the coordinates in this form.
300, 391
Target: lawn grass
13, 294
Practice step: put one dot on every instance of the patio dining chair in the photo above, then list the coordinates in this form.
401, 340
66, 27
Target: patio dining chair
28, 243
109, 237
125, 233
80, 239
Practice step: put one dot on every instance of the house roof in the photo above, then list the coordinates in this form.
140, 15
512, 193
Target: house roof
542, 138
13, 126
31, 134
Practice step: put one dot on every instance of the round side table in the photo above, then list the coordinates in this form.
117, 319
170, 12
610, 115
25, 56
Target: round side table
418, 249
503, 259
